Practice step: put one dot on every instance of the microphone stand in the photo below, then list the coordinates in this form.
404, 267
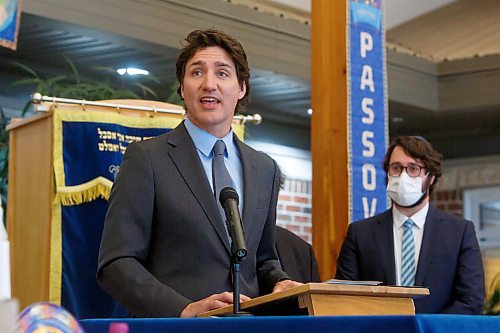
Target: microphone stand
236, 260
229, 201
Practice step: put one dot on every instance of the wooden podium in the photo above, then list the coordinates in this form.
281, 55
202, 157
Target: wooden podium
31, 188
323, 299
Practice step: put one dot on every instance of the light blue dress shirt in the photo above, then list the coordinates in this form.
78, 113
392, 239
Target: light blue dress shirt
204, 143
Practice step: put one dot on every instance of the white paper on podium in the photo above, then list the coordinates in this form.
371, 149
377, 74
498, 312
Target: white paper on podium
353, 282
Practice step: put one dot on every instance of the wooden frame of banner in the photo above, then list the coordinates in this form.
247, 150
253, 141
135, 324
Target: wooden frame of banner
323, 299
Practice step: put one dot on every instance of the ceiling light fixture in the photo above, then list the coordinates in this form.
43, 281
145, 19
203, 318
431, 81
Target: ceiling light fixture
397, 120
309, 111
132, 71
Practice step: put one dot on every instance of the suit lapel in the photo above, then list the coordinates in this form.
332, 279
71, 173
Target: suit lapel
429, 240
250, 181
184, 156
384, 237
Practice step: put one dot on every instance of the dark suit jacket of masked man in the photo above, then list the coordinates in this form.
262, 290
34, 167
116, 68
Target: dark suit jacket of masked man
449, 265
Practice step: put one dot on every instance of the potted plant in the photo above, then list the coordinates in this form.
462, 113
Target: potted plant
492, 304
73, 85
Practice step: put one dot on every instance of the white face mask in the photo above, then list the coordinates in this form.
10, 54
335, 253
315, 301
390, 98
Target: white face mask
405, 190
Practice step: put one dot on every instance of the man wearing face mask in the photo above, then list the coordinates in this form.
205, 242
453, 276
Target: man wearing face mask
413, 243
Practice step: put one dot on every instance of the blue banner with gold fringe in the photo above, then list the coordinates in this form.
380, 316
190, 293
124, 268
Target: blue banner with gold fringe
368, 114
88, 148
10, 16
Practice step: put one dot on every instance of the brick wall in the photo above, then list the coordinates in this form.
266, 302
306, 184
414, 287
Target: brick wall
450, 201
294, 207
462, 174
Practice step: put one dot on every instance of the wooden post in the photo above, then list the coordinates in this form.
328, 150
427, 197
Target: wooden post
329, 131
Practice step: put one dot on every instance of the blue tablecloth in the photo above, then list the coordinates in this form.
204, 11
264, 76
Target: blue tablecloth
304, 324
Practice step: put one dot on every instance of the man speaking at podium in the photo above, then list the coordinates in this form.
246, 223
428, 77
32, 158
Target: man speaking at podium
165, 250
415, 244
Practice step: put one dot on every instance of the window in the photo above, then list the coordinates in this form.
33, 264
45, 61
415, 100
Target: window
482, 206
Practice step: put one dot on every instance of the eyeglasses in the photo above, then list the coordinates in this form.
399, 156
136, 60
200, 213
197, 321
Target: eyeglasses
413, 170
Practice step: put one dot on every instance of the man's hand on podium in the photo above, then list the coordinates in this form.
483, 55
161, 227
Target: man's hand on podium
212, 302
285, 285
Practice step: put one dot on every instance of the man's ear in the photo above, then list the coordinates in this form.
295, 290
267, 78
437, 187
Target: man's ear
243, 91
182, 91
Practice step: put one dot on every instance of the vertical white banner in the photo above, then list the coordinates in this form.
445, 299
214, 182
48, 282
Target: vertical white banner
5, 292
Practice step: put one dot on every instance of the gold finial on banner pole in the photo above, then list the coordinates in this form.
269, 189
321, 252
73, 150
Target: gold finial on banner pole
36, 98
255, 119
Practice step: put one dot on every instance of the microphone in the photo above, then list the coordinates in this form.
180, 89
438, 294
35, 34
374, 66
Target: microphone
229, 200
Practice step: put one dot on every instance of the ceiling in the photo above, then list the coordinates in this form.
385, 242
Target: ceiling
45, 43
461, 30
280, 83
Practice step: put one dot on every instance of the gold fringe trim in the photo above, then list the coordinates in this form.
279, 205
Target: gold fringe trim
57, 149
99, 187
55, 274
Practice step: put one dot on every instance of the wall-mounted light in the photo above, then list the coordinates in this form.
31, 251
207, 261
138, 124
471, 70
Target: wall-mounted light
309, 111
132, 71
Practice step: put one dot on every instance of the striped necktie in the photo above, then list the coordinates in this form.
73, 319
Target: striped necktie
408, 255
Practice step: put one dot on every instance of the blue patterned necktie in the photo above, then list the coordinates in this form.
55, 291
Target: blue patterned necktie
221, 177
408, 255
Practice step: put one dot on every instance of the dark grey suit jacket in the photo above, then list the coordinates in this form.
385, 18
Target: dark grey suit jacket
164, 244
449, 264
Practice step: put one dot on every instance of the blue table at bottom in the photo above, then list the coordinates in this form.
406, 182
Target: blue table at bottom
303, 324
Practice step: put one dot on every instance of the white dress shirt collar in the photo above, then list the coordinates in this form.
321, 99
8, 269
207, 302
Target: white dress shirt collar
419, 217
